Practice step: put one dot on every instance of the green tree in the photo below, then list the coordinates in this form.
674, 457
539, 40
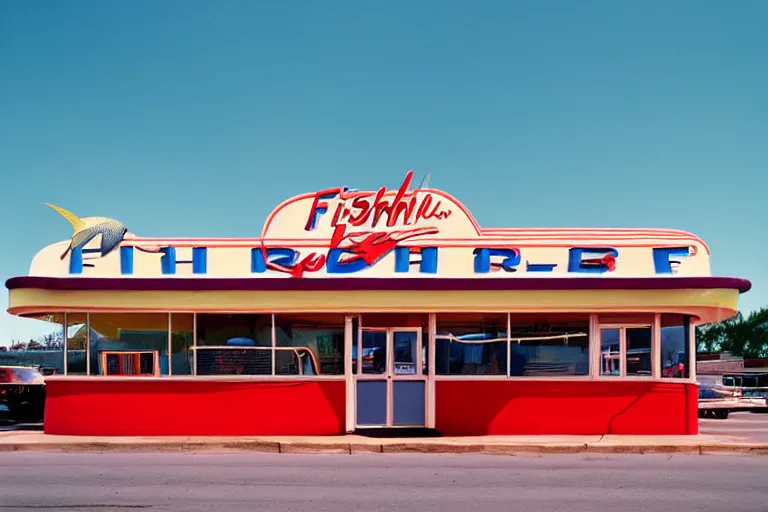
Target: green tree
709, 337
739, 335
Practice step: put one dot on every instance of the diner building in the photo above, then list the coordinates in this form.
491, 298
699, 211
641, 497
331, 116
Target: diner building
358, 310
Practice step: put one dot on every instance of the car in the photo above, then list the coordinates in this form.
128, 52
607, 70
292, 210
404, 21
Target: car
22, 393
717, 402
752, 388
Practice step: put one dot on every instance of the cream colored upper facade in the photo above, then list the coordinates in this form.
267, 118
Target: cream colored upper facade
310, 226
388, 235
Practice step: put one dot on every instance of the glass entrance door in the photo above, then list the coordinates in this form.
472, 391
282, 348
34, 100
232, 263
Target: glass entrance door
408, 384
390, 378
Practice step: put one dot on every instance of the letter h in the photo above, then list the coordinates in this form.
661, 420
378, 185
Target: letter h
426, 259
199, 260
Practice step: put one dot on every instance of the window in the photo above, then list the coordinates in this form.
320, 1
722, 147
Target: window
638, 350
143, 363
234, 344
76, 341
182, 334
625, 350
610, 352
309, 344
474, 344
675, 334
129, 343
374, 351
549, 345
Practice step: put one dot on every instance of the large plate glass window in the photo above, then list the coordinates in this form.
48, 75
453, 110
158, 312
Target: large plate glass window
543, 345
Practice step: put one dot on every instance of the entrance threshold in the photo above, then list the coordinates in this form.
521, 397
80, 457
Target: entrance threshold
397, 432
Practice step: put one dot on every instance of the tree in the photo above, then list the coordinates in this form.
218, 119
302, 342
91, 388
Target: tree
18, 345
747, 337
709, 337
34, 345
52, 341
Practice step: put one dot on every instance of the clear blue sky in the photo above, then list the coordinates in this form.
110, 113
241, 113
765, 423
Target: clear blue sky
187, 118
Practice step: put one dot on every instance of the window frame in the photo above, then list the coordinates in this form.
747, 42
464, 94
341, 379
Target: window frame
436, 337
193, 359
622, 327
429, 339
592, 319
689, 344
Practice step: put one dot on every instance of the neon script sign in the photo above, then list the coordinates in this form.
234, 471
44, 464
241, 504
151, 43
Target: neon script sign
360, 208
368, 239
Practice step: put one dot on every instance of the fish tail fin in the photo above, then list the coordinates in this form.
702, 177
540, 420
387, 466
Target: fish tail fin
73, 219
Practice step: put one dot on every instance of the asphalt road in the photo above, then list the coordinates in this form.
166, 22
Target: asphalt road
424, 483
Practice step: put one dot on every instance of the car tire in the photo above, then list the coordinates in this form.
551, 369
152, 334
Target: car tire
722, 414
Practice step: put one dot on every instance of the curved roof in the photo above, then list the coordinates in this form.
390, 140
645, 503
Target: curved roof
340, 284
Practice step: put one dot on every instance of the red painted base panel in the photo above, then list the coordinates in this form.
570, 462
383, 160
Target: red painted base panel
569, 408
190, 408
474, 408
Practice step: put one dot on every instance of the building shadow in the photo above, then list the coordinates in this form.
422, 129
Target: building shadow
397, 433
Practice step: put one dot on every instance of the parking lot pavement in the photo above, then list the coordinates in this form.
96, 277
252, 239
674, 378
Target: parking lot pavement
753, 427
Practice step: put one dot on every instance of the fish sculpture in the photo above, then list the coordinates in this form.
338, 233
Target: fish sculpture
87, 228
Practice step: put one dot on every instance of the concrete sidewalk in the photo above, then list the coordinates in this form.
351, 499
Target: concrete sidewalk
499, 445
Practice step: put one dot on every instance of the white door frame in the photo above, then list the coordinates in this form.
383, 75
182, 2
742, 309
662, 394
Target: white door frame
388, 376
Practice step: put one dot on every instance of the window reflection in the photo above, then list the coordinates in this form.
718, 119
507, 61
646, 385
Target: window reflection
674, 346
76, 340
405, 352
355, 339
129, 343
639, 351
374, 354
317, 343
182, 333
610, 343
473, 344
234, 344
544, 345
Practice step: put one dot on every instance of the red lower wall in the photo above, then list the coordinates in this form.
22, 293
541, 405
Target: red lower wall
206, 408
559, 407
194, 408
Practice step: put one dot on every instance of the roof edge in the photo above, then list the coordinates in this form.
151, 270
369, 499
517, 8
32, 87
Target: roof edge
364, 283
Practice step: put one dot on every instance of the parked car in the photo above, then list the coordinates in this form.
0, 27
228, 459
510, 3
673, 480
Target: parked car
717, 401
752, 388
22, 393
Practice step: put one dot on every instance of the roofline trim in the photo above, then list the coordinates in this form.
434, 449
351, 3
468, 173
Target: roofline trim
363, 283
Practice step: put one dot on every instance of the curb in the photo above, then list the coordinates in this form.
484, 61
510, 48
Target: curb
483, 449
298, 447
640, 449
735, 449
